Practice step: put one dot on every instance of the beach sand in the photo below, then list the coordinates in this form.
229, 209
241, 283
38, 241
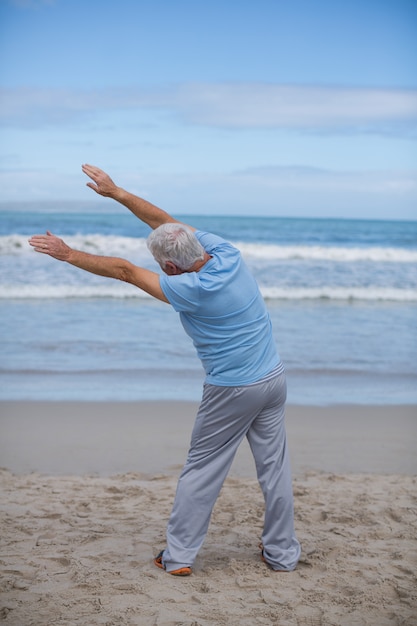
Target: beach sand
87, 489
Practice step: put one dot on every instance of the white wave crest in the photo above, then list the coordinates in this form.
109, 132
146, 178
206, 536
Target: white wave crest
59, 292
325, 253
114, 245
340, 293
121, 291
110, 245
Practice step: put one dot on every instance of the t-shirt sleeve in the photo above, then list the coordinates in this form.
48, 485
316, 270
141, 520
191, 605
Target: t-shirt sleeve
182, 291
211, 242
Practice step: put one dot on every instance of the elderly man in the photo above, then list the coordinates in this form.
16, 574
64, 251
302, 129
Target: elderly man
207, 282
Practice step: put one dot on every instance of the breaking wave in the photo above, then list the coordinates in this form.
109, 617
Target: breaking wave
121, 291
132, 246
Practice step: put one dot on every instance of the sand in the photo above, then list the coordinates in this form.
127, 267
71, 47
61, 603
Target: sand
87, 489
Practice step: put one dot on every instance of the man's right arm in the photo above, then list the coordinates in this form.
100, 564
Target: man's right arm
142, 209
112, 267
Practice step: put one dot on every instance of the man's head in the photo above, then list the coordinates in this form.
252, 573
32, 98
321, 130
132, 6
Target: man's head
175, 247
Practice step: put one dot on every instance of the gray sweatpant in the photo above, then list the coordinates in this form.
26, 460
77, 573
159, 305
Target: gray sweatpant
226, 415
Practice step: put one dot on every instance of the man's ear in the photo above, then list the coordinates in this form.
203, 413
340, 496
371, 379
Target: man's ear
171, 269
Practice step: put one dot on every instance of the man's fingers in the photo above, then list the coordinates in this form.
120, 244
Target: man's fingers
40, 243
90, 170
39, 247
102, 183
36, 239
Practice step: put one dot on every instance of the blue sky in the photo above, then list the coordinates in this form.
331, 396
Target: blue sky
263, 107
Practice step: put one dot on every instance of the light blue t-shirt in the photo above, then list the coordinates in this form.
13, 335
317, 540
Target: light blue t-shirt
222, 310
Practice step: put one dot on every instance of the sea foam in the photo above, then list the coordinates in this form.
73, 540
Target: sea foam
121, 291
113, 245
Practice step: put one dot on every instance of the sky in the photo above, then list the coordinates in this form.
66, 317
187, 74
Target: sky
304, 108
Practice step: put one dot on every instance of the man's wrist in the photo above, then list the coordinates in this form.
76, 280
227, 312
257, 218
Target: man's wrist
70, 255
120, 195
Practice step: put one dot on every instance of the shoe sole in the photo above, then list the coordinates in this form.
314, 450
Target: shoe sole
182, 571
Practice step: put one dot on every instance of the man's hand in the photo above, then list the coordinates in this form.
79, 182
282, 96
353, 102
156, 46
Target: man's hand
142, 209
52, 245
103, 184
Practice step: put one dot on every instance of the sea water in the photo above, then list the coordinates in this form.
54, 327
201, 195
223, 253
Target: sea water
342, 296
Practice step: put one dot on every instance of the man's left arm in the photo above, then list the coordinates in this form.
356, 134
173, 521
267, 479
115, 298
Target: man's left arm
111, 267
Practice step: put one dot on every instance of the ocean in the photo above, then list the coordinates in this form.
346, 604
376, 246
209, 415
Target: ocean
342, 296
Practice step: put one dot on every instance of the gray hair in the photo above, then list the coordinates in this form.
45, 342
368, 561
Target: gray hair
177, 243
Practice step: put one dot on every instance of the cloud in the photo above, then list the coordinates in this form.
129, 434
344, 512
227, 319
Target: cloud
394, 182
296, 190
301, 178
286, 106
270, 190
224, 105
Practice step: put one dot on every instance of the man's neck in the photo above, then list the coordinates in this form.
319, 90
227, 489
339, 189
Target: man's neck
199, 264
